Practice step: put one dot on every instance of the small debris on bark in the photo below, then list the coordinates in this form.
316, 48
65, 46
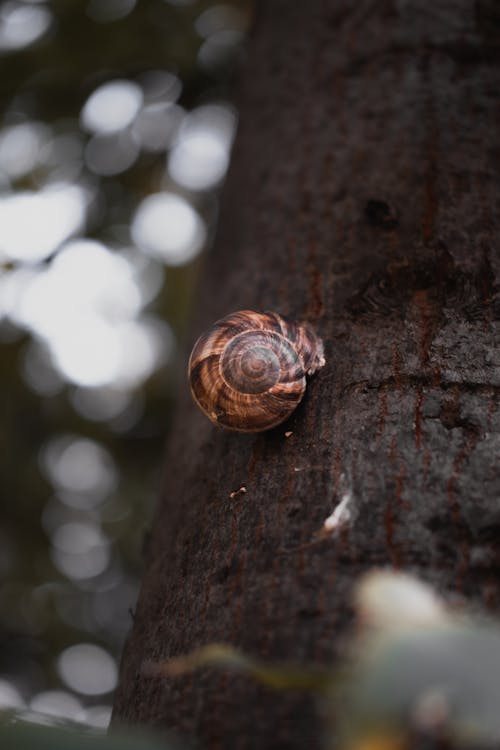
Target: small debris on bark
242, 491
340, 517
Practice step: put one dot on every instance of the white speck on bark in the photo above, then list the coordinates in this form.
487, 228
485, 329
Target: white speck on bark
340, 516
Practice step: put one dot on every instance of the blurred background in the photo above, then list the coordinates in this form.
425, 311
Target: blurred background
116, 127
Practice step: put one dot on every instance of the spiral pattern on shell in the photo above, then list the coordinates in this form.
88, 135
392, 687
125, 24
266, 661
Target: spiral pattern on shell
247, 372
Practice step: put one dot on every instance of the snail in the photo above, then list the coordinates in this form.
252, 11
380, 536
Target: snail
247, 372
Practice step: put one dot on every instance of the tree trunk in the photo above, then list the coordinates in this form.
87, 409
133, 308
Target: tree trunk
363, 197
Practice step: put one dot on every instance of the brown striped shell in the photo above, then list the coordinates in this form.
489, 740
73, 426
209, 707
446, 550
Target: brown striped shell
247, 372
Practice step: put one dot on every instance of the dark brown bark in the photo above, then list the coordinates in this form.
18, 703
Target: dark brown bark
363, 197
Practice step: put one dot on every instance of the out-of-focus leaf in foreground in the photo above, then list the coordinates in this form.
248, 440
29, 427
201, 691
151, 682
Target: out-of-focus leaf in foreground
20, 735
418, 669
415, 671
275, 676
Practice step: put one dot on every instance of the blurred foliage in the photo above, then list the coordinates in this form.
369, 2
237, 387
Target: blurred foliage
24, 736
42, 610
415, 673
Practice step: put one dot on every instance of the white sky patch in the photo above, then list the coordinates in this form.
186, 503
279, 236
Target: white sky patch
341, 516
167, 227
22, 24
112, 107
34, 224
200, 157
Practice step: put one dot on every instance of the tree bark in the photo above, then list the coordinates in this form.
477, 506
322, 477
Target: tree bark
364, 197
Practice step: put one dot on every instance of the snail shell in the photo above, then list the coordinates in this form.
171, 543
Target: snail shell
247, 372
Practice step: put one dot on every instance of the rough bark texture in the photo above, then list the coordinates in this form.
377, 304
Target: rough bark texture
363, 197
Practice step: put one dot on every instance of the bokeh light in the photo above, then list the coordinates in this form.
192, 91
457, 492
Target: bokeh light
221, 18
107, 11
112, 154
22, 24
111, 107
88, 669
219, 50
80, 550
37, 370
200, 157
34, 224
167, 227
103, 403
160, 85
85, 306
98, 716
23, 147
10, 697
85, 277
76, 464
157, 125
115, 136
